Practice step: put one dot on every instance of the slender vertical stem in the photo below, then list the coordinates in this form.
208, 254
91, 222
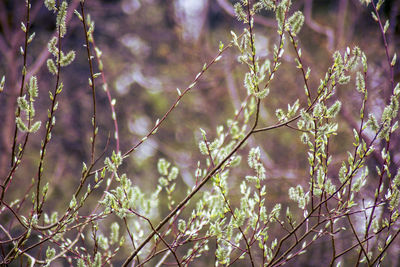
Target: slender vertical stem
92, 83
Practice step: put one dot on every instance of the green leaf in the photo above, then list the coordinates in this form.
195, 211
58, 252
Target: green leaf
66, 60
50, 5
33, 87
51, 66
262, 94
114, 235
393, 60
203, 148
21, 125
61, 17
296, 21
360, 82
163, 166
73, 202
386, 27
97, 260
3, 81
280, 15
334, 109
50, 253
221, 46
240, 14
22, 103
181, 225
35, 127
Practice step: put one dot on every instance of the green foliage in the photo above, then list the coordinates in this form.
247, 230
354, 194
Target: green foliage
296, 22
221, 208
61, 16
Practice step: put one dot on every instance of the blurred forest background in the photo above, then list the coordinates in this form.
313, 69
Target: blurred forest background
152, 47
